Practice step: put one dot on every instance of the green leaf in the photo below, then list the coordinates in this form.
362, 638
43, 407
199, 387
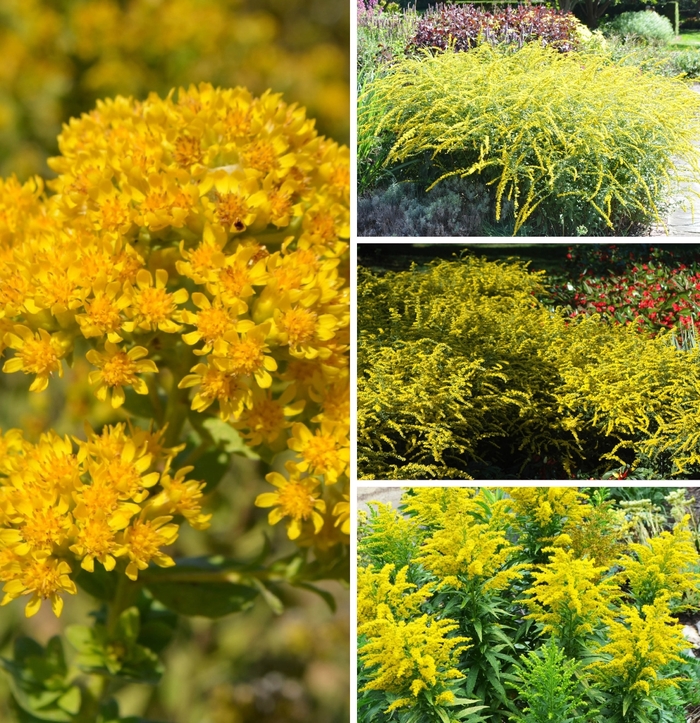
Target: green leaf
70, 700
211, 468
128, 626
206, 599
324, 594
227, 438
442, 714
477, 628
100, 583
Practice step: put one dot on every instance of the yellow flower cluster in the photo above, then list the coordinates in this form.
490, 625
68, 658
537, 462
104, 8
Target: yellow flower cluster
434, 506
663, 566
60, 507
546, 506
466, 550
57, 58
203, 239
640, 646
379, 597
570, 596
411, 657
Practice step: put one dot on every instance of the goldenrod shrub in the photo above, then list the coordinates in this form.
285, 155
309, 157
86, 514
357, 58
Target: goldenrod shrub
59, 58
565, 140
463, 372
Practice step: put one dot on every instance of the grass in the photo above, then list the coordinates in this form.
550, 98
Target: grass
688, 39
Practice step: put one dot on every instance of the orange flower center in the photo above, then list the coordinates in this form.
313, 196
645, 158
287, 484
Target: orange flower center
213, 323
320, 452
246, 356
119, 370
154, 305
300, 325
295, 501
39, 357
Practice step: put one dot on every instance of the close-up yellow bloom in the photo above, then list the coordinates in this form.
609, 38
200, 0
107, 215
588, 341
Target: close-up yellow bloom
118, 369
295, 499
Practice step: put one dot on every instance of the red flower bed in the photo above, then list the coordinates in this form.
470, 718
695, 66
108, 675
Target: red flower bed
653, 294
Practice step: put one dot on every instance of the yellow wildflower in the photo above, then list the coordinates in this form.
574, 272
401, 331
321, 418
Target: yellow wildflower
43, 580
152, 307
296, 499
325, 452
142, 540
39, 354
117, 369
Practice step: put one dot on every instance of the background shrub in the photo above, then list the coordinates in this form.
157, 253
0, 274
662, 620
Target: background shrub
572, 137
466, 26
646, 26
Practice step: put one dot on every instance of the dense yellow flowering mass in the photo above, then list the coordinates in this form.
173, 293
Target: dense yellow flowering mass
195, 244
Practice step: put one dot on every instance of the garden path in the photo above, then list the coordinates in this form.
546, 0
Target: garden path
683, 221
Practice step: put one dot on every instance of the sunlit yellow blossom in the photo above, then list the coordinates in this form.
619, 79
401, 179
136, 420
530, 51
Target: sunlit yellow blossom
569, 596
142, 540
152, 307
118, 369
303, 330
43, 580
216, 385
244, 353
182, 497
325, 452
639, 646
104, 312
296, 499
212, 323
38, 354
666, 564
387, 593
409, 657
95, 538
265, 418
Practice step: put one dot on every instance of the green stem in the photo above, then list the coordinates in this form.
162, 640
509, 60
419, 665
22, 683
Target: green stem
124, 596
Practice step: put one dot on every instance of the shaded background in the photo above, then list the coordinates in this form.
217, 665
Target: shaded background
60, 56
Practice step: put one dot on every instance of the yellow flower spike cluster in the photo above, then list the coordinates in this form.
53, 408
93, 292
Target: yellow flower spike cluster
205, 234
640, 645
411, 657
663, 566
465, 550
378, 596
61, 509
569, 595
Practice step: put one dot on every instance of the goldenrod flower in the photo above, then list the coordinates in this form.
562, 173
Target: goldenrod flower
296, 499
325, 452
142, 540
117, 369
264, 418
244, 354
212, 323
216, 385
43, 580
39, 354
152, 307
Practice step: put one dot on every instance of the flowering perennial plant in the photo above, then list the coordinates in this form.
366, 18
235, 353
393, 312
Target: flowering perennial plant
464, 373
192, 254
499, 610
